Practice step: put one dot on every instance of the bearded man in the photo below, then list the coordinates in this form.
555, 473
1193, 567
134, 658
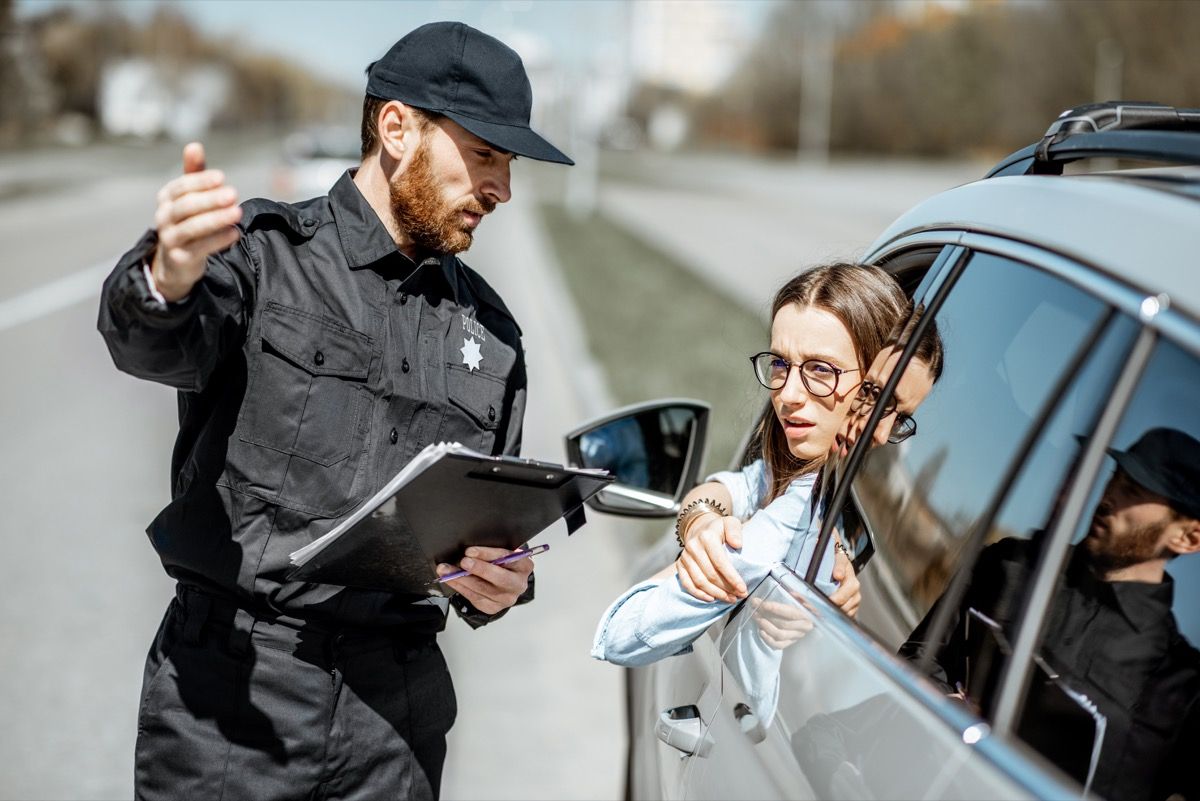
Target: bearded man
1115, 699
316, 347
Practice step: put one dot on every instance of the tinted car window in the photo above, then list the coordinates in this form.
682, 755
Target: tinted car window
1115, 696
963, 642
1008, 331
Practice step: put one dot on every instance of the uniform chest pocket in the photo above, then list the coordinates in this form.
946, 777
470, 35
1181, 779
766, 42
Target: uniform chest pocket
308, 387
476, 404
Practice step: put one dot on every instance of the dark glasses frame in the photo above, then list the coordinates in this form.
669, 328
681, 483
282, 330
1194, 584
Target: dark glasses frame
761, 362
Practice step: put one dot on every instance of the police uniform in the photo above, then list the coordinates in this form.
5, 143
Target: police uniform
312, 360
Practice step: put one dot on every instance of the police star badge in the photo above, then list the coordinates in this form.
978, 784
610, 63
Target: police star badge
470, 353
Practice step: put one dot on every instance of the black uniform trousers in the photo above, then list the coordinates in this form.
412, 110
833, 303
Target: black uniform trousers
235, 707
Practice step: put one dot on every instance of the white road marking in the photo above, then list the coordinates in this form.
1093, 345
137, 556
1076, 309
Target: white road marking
54, 296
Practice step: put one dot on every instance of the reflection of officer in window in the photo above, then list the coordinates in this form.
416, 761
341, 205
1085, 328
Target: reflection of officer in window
1110, 635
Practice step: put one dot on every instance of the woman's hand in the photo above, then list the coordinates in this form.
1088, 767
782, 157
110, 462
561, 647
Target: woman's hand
704, 568
848, 595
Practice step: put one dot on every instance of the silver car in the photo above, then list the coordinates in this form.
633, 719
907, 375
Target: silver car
991, 658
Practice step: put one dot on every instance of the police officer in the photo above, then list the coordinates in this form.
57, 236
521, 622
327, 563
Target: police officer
316, 347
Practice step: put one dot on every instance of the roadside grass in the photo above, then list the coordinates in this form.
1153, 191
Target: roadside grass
657, 329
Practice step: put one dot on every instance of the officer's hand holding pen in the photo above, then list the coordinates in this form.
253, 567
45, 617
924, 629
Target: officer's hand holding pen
195, 218
490, 588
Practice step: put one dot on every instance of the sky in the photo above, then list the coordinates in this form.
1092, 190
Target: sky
339, 39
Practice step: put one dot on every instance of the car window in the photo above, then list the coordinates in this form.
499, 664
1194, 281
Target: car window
963, 641
1114, 699
1008, 331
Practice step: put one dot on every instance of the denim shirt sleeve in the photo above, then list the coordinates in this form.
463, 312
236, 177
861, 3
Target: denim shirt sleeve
747, 487
653, 620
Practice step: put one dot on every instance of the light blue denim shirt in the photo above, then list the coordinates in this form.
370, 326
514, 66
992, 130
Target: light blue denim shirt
658, 618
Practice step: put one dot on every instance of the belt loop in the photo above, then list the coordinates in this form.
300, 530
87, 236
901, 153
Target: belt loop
196, 609
242, 628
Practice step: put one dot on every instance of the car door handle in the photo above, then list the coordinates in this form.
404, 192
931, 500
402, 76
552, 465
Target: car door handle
749, 723
682, 729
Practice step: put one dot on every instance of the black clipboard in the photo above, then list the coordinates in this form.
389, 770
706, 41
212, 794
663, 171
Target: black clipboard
454, 499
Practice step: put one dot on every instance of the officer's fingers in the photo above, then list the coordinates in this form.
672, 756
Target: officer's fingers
193, 157
480, 593
196, 251
198, 227
191, 182
486, 552
194, 203
486, 555
508, 578
480, 601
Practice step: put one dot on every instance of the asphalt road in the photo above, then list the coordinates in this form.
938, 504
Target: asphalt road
748, 224
86, 459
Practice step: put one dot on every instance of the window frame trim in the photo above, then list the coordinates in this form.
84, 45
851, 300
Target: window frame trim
1094, 278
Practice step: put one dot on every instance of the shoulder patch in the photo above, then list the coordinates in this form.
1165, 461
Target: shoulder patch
484, 292
302, 219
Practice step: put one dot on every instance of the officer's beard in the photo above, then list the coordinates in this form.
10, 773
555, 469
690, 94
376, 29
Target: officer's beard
421, 213
1132, 547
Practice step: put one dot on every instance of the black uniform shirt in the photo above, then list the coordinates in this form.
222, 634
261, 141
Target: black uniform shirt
313, 360
1116, 643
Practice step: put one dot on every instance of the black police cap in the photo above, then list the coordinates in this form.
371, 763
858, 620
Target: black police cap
474, 79
1166, 461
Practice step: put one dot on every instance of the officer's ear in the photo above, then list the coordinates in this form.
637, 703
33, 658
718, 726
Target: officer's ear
393, 124
1185, 536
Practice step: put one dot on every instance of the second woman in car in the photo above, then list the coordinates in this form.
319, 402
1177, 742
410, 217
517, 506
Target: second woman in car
828, 324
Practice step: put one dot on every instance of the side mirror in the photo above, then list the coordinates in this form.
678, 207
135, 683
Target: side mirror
653, 450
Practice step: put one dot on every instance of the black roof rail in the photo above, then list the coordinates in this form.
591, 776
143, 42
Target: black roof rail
1118, 129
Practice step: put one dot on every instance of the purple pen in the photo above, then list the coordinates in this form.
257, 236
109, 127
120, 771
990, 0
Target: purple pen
503, 560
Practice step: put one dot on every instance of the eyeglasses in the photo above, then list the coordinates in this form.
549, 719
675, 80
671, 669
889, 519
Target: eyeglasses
903, 426
820, 377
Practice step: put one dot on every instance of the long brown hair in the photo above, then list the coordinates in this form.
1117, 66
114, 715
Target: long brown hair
869, 303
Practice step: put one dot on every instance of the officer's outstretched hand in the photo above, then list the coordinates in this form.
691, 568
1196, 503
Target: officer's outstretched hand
195, 218
490, 588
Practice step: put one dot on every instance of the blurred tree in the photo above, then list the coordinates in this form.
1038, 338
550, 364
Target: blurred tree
71, 46
10, 105
75, 48
954, 80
